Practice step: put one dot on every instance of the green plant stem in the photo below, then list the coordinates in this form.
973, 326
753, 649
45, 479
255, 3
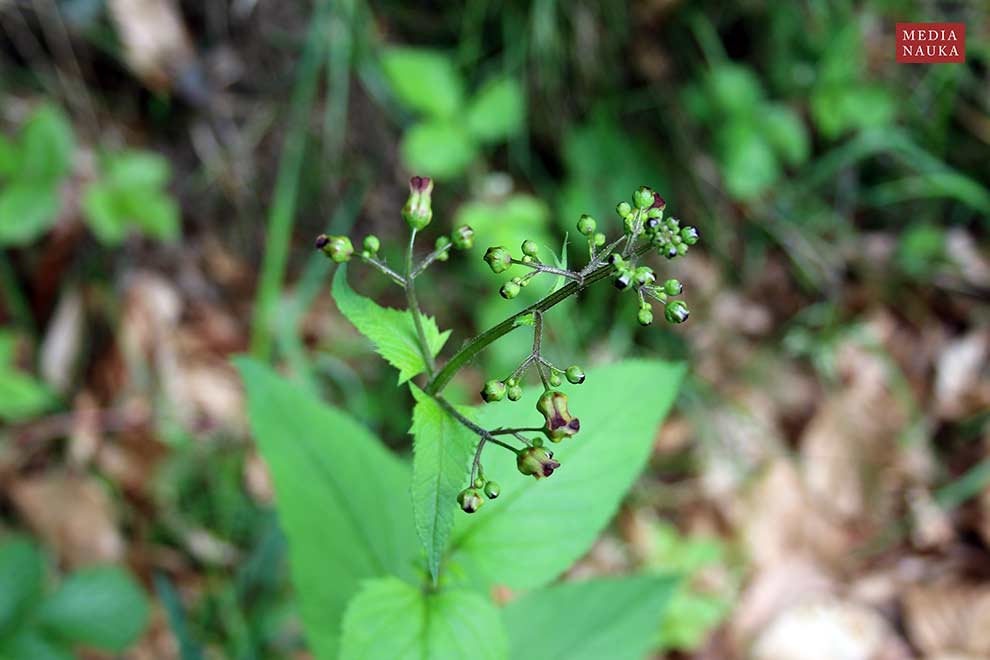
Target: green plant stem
440, 380
424, 347
430, 258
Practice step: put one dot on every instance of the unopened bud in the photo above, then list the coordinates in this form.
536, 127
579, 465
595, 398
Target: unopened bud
494, 390
463, 237
418, 210
498, 259
338, 248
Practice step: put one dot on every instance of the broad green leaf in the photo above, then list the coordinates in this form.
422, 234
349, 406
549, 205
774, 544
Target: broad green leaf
30, 643
10, 157
140, 169
610, 618
749, 165
47, 144
21, 574
343, 500
786, 133
424, 80
391, 330
100, 207
21, 396
735, 89
154, 212
496, 111
442, 453
391, 620
28, 209
102, 607
539, 528
438, 148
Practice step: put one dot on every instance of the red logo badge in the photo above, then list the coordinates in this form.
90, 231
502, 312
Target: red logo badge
931, 43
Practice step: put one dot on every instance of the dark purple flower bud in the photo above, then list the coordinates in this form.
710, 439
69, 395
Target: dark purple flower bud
560, 423
536, 461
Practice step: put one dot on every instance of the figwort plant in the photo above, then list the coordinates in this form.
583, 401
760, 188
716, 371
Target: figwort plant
645, 230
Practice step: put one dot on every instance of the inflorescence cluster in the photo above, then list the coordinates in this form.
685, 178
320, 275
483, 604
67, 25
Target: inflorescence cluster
644, 230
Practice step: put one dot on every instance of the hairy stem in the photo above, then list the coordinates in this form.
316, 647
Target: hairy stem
410, 286
429, 259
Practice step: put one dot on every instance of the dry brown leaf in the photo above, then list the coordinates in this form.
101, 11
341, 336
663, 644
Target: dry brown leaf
72, 514
949, 617
157, 47
63, 341
962, 376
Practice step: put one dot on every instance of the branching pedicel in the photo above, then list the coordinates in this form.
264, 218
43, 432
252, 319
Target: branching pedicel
645, 230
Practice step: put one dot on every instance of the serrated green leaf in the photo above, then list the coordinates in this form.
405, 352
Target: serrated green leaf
391, 620
21, 574
442, 453
47, 143
539, 528
342, 499
496, 112
613, 618
28, 209
424, 80
102, 607
438, 148
391, 330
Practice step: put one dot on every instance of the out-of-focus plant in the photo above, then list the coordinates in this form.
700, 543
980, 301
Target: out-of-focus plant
754, 137
99, 608
451, 127
21, 395
352, 511
128, 195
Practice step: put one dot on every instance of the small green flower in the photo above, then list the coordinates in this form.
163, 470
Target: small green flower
623, 209
555, 380
645, 315
498, 259
586, 225
372, 244
575, 374
494, 390
418, 210
530, 248
676, 311
623, 279
441, 243
492, 490
599, 239
672, 287
470, 500
690, 235
643, 198
338, 248
536, 461
644, 275
515, 392
560, 423
509, 290
463, 237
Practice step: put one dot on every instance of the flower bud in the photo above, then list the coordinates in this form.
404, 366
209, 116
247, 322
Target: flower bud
536, 461
509, 290
441, 243
560, 424
555, 380
690, 235
498, 259
623, 209
599, 239
623, 279
575, 374
616, 261
492, 490
494, 390
643, 198
645, 316
586, 225
672, 288
418, 210
515, 392
470, 500
670, 251
338, 248
463, 237
644, 275
372, 244
682, 249
676, 311
530, 248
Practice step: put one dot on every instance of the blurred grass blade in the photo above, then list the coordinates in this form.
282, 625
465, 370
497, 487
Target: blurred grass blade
283, 206
188, 649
